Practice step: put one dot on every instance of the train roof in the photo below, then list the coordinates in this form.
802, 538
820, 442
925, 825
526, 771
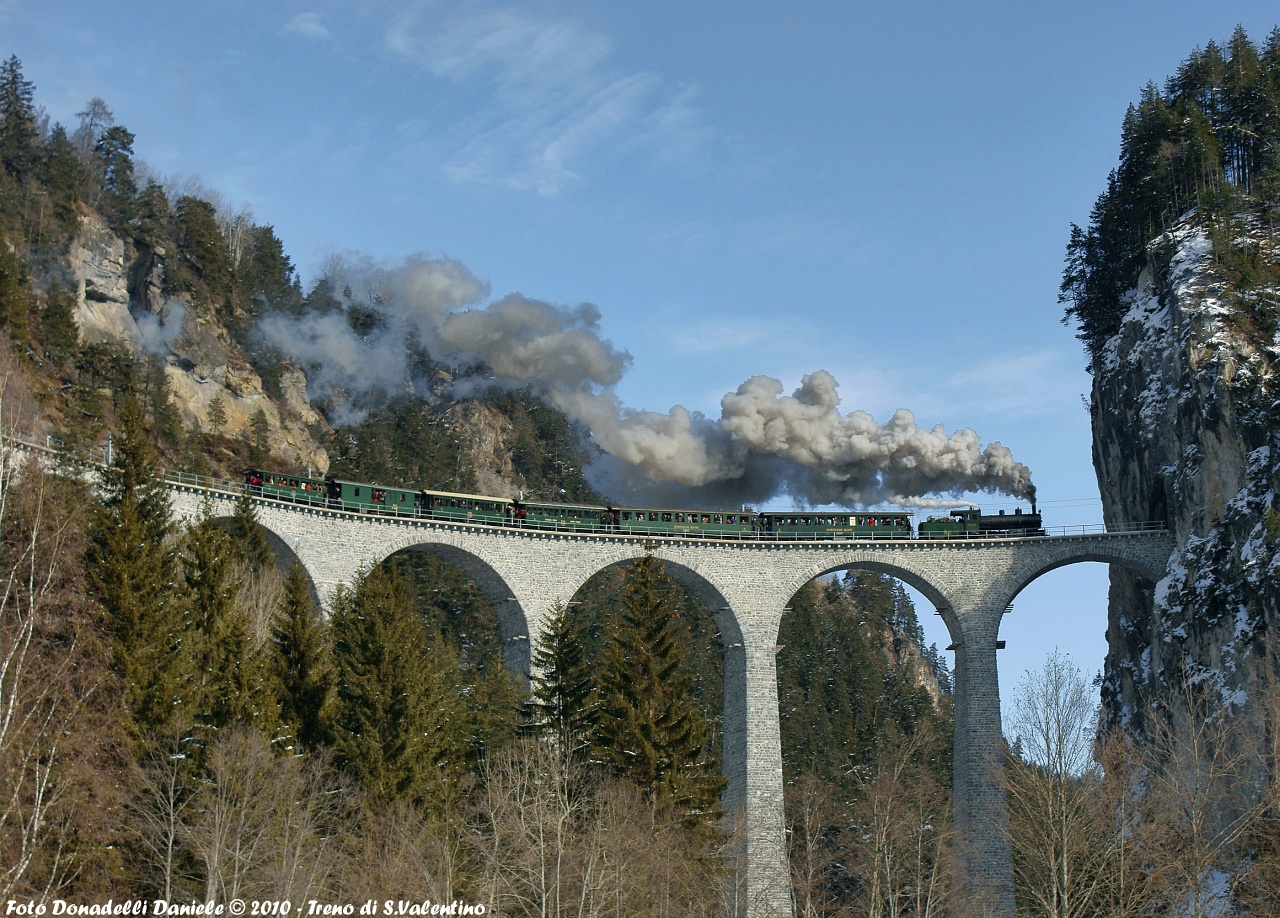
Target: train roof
371, 484
721, 510
552, 503
484, 497
264, 472
835, 513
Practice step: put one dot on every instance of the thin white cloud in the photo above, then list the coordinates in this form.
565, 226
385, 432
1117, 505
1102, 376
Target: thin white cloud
728, 334
551, 97
308, 25
1034, 384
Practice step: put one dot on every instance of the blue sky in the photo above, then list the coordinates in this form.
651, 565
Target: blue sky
883, 191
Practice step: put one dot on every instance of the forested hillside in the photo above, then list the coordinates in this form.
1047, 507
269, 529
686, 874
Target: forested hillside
180, 722
1206, 144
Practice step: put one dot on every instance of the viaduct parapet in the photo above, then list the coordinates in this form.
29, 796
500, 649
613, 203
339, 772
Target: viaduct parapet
747, 585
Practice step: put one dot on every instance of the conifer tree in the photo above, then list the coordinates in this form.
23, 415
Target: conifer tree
234, 679
151, 225
651, 730
18, 134
399, 725
64, 175
58, 324
113, 155
15, 300
302, 662
133, 573
247, 535
259, 443
564, 703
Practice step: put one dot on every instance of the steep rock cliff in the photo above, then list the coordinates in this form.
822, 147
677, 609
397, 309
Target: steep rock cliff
120, 301
1185, 432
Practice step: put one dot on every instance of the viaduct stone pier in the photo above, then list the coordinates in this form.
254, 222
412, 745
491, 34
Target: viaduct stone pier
747, 585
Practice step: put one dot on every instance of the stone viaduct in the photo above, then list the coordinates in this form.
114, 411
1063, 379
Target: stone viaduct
747, 585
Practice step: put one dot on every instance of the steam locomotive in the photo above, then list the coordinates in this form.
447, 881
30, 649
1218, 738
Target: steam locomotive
793, 525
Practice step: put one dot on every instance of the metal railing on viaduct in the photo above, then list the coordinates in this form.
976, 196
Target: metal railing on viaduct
747, 584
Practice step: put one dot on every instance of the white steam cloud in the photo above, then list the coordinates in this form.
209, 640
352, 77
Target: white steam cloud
764, 442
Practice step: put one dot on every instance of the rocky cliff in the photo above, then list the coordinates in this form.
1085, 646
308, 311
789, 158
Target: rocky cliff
1186, 430
120, 301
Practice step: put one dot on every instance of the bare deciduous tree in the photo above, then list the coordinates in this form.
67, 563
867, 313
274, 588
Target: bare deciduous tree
554, 838
904, 821
403, 853
159, 812
49, 676
1063, 837
259, 596
309, 845
234, 813
1204, 786
817, 845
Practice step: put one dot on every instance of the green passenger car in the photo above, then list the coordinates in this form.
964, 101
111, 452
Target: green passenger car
374, 498
845, 525
466, 508
686, 522
568, 517
294, 488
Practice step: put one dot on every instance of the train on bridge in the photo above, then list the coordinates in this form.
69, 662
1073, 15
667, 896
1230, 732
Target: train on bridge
789, 525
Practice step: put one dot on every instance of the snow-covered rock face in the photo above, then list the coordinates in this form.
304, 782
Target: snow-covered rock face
1185, 430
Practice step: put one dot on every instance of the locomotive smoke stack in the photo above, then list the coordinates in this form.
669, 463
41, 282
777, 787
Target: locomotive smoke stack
763, 444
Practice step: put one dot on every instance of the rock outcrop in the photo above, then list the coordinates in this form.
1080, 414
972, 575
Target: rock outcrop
99, 261
120, 300
1185, 429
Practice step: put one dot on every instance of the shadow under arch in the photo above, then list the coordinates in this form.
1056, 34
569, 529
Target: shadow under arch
513, 621
281, 551
915, 579
911, 578
708, 593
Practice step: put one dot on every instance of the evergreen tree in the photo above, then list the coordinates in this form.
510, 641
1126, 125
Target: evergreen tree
64, 176
494, 699
217, 413
564, 703
151, 226
133, 573
247, 535
204, 260
259, 438
651, 730
58, 324
15, 300
19, 137
267, 277
113, 156
1207, 144
302, 662
234, 679
399, 724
